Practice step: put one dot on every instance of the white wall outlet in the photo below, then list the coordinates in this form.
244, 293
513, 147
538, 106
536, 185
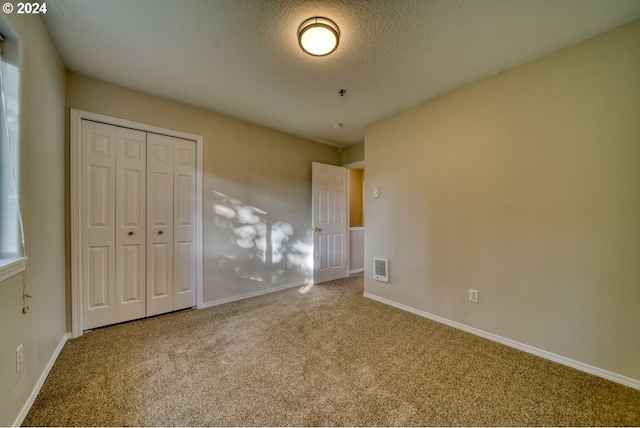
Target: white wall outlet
19, 358
473, 295
289, 265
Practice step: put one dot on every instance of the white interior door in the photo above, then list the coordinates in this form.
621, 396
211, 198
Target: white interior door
159, 224
98, 222
184, 220
113, 262
329, 219
131, 161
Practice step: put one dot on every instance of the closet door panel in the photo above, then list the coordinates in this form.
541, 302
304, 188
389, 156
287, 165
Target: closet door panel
159, 224
98, 220
184, 223
98, 269
131, 210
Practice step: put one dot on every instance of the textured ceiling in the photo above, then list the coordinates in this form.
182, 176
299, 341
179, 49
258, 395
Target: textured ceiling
241, 57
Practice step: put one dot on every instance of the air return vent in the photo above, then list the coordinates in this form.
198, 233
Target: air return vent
381, 269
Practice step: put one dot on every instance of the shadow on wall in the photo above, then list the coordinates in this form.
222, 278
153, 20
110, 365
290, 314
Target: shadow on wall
257, 247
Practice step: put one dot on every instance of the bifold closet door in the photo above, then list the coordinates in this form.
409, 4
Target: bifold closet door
114, 222
138, 214
171, 252
184, 220
159, 224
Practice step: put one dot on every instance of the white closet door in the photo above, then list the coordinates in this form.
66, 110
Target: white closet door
139, 224
159, 224
131, 206
113, 193
184, 212
98, 219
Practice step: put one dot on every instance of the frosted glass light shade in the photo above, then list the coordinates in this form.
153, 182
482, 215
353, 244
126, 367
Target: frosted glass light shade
318, 36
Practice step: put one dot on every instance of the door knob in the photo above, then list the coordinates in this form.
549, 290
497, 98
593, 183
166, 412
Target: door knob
130, 233
159, 232
317, 229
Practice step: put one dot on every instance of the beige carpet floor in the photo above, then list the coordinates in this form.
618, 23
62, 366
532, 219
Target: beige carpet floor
328, 357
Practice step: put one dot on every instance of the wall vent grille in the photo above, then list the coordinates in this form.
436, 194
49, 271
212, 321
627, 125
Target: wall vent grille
381, 269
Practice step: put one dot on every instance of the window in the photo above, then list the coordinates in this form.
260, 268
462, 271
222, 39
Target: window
12, 252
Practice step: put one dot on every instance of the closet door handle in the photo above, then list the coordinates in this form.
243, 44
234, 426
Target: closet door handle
130, 233
159, 232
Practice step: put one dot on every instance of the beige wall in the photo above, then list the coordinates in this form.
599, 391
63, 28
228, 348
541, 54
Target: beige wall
525, 186
43, 205
246, 167
352, 154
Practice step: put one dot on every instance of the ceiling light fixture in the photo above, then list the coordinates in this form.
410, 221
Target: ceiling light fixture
318, 36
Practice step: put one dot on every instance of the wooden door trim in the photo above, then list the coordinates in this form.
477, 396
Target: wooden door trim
75, 179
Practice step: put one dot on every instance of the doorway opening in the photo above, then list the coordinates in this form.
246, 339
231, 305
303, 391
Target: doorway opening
357, 212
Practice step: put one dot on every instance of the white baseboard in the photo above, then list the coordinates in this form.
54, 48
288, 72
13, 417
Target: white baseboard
615, 377
351, 272
252, 294
43, 376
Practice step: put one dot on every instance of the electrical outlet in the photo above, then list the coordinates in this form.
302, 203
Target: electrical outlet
289, 265
473, 295
19, 358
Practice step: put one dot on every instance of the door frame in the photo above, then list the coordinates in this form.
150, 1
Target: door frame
75, 183
354, 165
